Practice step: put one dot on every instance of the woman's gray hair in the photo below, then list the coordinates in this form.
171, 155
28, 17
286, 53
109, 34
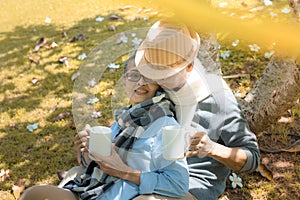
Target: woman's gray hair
132, 56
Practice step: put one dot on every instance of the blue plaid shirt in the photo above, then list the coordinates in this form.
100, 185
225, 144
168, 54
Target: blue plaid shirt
158, 176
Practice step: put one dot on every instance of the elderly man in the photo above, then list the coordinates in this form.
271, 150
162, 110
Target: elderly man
222, 140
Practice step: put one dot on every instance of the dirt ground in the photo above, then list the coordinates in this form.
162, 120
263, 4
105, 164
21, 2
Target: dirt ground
284, 166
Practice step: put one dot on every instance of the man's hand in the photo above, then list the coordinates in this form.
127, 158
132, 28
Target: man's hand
200, 145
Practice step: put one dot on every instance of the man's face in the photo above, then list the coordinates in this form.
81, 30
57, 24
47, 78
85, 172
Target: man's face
175, 81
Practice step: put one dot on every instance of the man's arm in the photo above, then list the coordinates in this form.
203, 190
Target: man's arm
201, 145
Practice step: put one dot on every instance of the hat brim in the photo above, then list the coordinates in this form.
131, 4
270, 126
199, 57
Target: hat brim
155, 72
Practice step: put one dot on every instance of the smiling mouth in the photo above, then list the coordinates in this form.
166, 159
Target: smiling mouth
140, 91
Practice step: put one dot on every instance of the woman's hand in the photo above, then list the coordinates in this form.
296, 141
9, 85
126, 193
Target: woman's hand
82, 143
113, 165
82, 139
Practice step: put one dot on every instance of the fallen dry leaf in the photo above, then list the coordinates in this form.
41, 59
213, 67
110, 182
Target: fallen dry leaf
72, 125
295, 147
115, 17
61, 116
34, 59
18, 187
77, 37
4, 174
64, 60
285, 120
127, 7
64, 34
34, 81
54, 107
42, 42
265, 171
112, 28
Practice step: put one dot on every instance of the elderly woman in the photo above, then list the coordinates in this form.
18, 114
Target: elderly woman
136, 165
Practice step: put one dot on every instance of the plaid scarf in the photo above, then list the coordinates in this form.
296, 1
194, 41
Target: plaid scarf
133, 121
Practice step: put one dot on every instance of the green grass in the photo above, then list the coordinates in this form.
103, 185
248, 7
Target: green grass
36, 156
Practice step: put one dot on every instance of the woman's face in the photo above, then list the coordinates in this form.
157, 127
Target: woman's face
137, 88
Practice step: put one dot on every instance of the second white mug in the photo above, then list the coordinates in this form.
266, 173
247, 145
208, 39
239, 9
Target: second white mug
174, 142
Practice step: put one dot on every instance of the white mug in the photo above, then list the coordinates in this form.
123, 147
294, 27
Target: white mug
174, 142
100, 141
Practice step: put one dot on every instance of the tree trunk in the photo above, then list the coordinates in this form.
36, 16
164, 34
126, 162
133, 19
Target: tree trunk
276, 91
208, 53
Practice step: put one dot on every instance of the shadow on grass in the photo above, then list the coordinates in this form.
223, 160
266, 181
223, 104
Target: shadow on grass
38, 155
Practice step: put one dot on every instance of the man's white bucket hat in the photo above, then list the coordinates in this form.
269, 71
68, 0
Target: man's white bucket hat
167, 49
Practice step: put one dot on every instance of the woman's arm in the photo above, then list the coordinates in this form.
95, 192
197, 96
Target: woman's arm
167, 177
113, 165
173, 180
160, 176
169, 181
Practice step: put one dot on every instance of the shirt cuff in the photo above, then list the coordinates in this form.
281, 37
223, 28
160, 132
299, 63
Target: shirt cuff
248, 166
84, 163
148, 182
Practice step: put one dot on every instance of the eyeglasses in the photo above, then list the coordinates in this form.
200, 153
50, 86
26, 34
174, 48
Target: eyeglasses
135, 76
